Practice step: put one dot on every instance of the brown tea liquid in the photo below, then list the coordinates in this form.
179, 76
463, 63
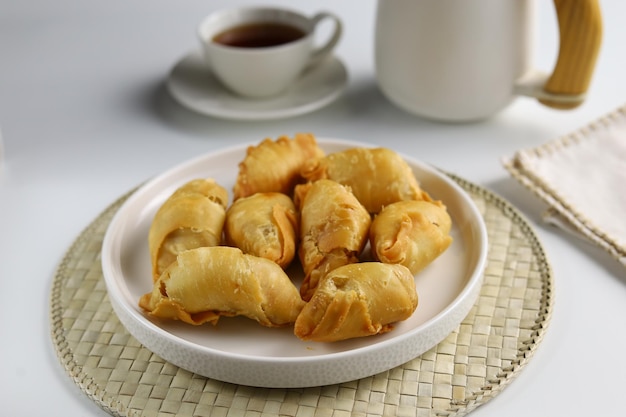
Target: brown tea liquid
259, 35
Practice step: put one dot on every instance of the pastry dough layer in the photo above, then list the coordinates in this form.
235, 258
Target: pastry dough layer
206, 283
377, 176
334, 228
193, 216
411, 233
265, 225
357, 300
274, 166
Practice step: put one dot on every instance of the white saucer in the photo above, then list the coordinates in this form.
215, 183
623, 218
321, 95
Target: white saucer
191, 83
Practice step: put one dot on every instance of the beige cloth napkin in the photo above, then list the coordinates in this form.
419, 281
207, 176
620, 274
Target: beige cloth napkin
582, 177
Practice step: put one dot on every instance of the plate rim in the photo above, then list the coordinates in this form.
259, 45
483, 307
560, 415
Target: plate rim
461, 304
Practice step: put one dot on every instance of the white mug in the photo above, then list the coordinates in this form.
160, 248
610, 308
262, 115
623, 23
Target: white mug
464, 60
263, 71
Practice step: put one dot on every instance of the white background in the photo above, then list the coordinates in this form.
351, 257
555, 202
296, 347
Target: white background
85, 117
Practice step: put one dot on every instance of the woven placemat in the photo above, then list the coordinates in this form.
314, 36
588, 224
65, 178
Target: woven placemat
472, 365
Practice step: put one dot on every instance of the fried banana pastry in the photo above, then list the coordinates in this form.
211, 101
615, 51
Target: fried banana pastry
274, 166
265, 225
358, 300
377, 176
207, 283
193, 216
411, 233
333, 230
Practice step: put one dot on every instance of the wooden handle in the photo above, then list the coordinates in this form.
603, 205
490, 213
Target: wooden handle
580, 29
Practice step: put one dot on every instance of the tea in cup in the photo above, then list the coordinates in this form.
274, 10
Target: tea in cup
258, 52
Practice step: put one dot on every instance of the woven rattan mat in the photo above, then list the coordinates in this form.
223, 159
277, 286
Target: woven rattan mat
467, 369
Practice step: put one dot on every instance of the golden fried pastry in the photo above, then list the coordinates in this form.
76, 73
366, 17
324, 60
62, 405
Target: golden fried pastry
206, 283
377, 176
333, 230
265, 225
193, 216
411, 233
358, 300
274, 166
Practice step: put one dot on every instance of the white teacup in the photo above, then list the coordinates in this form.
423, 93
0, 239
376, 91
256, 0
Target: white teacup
251, 67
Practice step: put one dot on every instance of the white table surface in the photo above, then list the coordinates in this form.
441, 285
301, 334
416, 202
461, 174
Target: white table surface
85, 117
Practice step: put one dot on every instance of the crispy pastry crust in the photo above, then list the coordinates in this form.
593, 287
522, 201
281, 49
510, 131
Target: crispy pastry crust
274, 166
377, 176
411, 233
334, 228
207, 283
193, 216
265, 225
357, 300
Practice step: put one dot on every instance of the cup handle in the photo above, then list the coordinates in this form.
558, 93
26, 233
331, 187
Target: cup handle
324, 50
580, 29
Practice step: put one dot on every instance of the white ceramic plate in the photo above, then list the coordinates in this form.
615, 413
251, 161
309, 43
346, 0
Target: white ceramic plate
239, 350
192, 84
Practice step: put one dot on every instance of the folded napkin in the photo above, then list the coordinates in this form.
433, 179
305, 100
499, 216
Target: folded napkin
582, 177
